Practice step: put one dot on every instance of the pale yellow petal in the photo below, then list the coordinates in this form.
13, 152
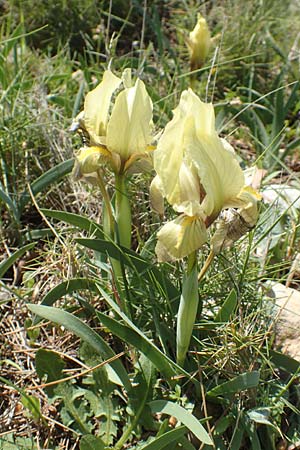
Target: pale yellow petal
156, 197
180, 237
172, 145
128, 129
199, 43
97, 103
220, 173
89, 159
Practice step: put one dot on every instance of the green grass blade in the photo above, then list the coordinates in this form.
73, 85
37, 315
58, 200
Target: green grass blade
182, 415
51, 176
242, 382
86, 333
7, 263
9, 202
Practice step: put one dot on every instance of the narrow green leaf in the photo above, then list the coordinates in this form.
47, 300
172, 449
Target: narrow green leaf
144, 342
165, 439
46, 179
32, 403
182, 415
227, 308
247, 380
132, 259
10, 204
140, 342
86, 333
7, 263
67, 287
76, 220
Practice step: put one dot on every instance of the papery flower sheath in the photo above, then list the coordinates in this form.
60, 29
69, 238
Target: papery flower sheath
199, 175
119, 131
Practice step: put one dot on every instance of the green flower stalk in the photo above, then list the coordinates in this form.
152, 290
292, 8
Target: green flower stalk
123, 212
199, 175
187, 311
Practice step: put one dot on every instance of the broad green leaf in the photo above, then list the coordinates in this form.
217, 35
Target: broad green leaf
90, 442
144, 341
182, 415
227, 308
247, 380
7, 263
76, 220
166, 439
86, 333
46, 179
262, 416
284, 362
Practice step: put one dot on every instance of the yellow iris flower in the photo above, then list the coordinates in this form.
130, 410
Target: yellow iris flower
198, 174
118, 135
198, 43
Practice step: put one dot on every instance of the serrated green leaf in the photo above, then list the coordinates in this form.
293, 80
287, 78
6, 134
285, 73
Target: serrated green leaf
182, 415
48, 362
86, 333
90, 442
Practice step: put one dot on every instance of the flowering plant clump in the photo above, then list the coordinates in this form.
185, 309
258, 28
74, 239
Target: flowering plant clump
197, 172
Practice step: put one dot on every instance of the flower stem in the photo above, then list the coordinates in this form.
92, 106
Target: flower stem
187, 309
123, 212
108, 222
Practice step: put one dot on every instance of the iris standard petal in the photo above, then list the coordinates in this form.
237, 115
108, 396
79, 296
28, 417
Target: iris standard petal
97, 103
129, 127
171, 149
180, 237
